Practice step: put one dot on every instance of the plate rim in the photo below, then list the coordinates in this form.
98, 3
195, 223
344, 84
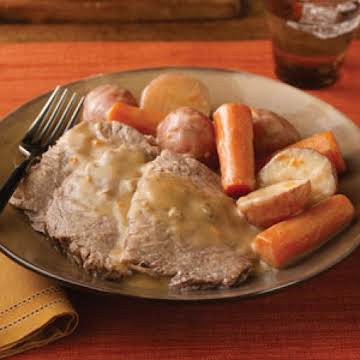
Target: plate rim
176, 297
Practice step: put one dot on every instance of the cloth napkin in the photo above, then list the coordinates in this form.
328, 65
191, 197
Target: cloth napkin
33, 310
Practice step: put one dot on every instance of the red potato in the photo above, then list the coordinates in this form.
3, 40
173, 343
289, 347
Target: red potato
168, 92
270, 205
271, 132
290, 240
99, 101
188, 131
301, 164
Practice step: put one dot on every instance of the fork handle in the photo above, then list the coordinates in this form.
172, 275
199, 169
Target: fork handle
10, 185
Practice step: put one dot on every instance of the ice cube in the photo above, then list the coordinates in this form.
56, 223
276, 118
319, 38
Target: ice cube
326, 21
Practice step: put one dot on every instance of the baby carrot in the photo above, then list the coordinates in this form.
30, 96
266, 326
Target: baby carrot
325, 143
234, 141
142, 120
290, 240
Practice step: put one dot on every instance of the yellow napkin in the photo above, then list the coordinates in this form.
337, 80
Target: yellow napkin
33, 311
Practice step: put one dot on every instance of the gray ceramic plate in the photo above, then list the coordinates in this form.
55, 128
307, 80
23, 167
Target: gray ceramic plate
307, 113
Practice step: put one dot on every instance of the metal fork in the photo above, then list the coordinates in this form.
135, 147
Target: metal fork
57, 116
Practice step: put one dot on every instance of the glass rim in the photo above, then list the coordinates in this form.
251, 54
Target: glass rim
317, 2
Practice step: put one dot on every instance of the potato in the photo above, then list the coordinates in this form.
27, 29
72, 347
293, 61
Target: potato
275, 203
271, 132
168, 92
99, 101
188, 131
301, 164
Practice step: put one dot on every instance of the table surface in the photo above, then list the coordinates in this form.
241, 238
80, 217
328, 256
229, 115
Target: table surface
319, 319
249, 27
252, 26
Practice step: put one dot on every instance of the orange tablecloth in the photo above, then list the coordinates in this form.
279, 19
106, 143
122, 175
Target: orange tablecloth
316, 320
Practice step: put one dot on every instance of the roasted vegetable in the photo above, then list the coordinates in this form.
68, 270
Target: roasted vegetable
168, 92
274, 203
271, 132
290, 240
99, 101
301, 164
325, 143
188, 131
234, 141
142, 120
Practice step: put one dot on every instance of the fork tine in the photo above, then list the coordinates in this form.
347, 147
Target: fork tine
73, 119
49, 123
39, 119
58, 129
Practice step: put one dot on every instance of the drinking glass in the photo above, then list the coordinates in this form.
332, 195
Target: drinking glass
310, 38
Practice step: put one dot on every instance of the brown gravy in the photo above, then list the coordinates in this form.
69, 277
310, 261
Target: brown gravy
107, 171
200, 217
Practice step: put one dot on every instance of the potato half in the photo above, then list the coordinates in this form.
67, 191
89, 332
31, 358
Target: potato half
301, 164
168, 92
275, 203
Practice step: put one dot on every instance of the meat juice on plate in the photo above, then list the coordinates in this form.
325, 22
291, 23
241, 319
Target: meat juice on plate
310, 39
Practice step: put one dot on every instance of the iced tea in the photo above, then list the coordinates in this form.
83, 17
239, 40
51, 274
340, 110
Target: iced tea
310, 38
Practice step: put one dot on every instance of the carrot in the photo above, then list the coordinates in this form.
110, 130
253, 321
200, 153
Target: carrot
289, 240
142, 120
234, 141
325, 143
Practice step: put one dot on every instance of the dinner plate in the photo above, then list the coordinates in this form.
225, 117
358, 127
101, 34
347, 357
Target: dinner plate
307, 113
